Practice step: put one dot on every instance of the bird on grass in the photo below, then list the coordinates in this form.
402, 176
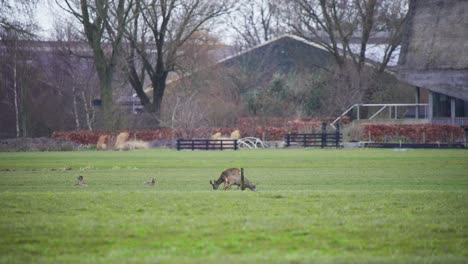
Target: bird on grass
151, 183
81, 181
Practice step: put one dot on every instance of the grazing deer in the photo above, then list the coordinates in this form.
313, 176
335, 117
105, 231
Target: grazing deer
231, 177
151, 183
81, 181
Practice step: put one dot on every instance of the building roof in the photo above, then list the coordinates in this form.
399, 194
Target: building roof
288, 53
434, 52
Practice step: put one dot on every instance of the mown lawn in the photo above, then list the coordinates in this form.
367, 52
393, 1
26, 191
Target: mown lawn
312, 206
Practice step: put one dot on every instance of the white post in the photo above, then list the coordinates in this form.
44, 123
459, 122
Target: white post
417, 97
358, 113
430, 113
452, 110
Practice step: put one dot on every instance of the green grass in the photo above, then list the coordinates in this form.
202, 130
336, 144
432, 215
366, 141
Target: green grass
312, 206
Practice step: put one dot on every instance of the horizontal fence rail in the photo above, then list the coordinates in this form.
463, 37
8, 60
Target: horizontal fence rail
395, 111
449, 121
412, 145
207, 144
319, 140
322, 140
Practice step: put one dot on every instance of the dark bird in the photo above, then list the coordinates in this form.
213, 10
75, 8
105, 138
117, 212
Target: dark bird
151, 183
81, 181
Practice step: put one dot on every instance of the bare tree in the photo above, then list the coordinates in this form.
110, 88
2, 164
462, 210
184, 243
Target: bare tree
103, 22
25, 92
336, 25
15, 16
157, 33
72, 67
345, 29
256, 22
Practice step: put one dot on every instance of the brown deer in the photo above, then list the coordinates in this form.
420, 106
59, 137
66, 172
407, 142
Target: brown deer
231, 177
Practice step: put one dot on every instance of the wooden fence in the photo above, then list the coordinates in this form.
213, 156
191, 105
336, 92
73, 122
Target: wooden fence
207, 144
318, 140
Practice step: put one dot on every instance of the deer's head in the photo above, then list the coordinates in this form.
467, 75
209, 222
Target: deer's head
214, 184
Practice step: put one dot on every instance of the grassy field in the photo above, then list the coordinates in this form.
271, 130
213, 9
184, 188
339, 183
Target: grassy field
312, 206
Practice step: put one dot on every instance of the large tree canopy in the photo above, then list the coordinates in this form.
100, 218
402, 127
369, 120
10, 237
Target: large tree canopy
158, 32
103, 23
15, 15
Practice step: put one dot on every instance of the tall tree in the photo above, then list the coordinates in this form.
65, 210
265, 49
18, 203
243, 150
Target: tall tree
21, 81
73, 67
256, 22
159, 30
345, 28
16, 25
339, 24
103, 23
15, 15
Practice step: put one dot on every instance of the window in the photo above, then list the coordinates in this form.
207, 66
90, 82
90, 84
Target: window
461, 108
441, 105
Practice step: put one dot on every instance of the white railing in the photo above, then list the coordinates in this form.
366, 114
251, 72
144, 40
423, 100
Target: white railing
460, 121
393, 111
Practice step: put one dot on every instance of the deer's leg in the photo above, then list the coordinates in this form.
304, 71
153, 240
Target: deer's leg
228, 186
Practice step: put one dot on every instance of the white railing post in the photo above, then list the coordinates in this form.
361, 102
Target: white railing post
358, 114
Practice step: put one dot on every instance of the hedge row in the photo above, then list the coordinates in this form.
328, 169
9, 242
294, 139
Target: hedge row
247, 126
423, 133
379, 133
91, 137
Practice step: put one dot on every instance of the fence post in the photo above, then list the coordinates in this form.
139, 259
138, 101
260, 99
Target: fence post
235, 144
304, 140
242, 179
288, 140
206, 144
324, 135
178, 144
337, 138
466, 136
193, 145
221, 144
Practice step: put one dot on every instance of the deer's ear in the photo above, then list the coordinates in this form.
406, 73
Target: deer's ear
211, 182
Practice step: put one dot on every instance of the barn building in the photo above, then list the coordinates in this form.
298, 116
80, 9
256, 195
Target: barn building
434, 58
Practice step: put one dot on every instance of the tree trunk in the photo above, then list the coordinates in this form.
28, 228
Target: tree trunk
159, 86
107, 105
75, 109
15, 92
87, 112
23, 111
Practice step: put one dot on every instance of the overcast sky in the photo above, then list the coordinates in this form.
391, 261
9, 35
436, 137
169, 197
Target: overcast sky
44, 16
48, 11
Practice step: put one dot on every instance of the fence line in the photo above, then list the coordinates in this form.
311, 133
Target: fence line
321, 140
207, 144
